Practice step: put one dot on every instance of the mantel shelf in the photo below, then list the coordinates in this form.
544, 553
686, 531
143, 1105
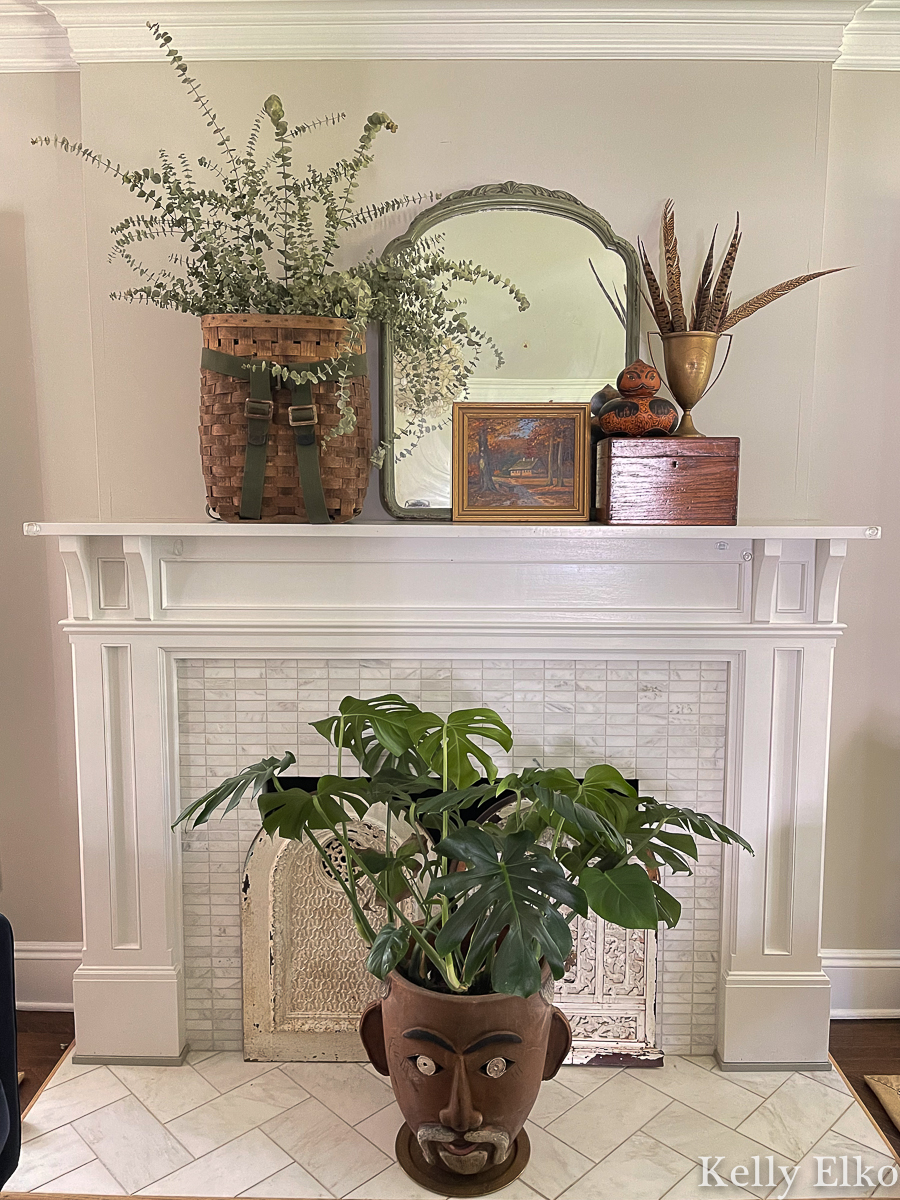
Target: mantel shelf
400, 529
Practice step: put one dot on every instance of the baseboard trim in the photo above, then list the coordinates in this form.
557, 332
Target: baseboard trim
865, 984
112, 1060
44, 1006
44, 972
864, 1014
772, 1066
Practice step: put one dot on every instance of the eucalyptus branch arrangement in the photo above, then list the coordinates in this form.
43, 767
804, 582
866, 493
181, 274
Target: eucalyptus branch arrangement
711, 309
256, 236
480, 876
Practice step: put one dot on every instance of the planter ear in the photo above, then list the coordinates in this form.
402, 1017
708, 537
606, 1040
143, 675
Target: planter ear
371, 1034
559, 1043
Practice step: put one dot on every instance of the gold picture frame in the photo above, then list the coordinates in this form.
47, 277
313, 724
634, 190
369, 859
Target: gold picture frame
521, 463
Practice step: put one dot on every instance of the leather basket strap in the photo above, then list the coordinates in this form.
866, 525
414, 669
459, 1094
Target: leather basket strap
259, 410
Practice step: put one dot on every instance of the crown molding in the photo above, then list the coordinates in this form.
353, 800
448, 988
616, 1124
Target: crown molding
113, 30
872, 39
31, 39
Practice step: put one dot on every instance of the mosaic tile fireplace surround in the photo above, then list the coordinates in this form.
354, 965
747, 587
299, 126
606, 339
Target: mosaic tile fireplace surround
660, 721
698, 660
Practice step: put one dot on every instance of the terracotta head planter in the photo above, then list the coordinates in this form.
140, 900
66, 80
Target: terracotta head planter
466, 1071
637, 411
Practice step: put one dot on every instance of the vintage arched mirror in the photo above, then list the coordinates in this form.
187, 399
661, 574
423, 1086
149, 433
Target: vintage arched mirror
580, 329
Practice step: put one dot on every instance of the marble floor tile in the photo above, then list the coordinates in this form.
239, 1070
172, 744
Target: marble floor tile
346, 1088
691, 1187
834, 1145
393, 1184
134, 1147
91, 1179
382, 1127
795, 1116
290, 1182
605, 1118
72, 1099
195, 1056
707, 1061
166, 1091
763, 1083
707, 1091
832, 1079
48, 1157
330, 1149
695, 1135
855, 1123
221, 1120
274, 1088
226, 1070
553, 1165
585, 1080
67, 1070
641, 1168
517, 1190
227, 1171
553, 1100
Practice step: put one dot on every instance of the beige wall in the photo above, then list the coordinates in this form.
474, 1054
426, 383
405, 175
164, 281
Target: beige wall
48, 468
857, 480
620, 136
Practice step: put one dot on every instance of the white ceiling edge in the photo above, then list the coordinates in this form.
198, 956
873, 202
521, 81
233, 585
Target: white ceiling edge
31, 39
63, 34
872, 39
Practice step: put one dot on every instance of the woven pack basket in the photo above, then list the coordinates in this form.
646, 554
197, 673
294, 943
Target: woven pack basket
343, 460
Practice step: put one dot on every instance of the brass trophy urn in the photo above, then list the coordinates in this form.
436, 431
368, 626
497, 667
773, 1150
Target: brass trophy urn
690, 335
689, 359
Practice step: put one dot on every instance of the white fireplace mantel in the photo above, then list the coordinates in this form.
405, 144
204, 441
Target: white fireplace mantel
763, 599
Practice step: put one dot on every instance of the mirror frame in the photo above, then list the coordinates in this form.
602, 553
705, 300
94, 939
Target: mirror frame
486, 197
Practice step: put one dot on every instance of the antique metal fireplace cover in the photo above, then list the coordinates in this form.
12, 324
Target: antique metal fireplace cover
305, 982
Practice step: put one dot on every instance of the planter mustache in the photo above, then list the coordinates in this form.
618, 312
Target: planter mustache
466, 1071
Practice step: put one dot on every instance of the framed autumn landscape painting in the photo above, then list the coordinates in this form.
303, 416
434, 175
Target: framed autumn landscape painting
523, 463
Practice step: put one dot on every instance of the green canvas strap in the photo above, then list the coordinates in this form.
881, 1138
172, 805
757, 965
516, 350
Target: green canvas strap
259, 410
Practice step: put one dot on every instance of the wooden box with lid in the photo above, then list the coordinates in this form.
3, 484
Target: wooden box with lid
667, 481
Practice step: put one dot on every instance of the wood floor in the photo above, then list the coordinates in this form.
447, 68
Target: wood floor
43, 1036
868, 1048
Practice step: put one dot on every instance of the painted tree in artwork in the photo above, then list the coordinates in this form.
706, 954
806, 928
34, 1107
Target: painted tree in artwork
485, 460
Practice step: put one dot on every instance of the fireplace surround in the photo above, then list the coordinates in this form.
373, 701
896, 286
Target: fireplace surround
754, 606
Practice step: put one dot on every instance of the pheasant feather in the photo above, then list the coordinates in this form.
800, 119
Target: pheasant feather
657, 302
704, 287
770, 294
673, 268
717, 303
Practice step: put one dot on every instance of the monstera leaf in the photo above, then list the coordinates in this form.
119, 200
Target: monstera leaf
293, 811
447, 746
507, 892
231, 791
370, 728
623, 895
389, 947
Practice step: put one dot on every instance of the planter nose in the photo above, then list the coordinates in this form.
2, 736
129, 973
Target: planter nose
460, 1114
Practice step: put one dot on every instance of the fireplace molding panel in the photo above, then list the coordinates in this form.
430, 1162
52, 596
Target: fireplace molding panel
142, 598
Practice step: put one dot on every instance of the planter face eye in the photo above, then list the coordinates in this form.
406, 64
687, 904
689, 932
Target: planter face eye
466, 1071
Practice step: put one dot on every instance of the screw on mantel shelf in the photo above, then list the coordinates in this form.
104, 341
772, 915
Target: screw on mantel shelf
31, 529
873, 531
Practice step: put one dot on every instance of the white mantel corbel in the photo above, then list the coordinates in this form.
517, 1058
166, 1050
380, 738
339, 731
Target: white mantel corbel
762, 599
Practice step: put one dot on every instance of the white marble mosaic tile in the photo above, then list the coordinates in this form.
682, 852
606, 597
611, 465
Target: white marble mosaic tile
662, 722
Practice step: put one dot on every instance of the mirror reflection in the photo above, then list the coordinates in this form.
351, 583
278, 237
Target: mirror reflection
570, 341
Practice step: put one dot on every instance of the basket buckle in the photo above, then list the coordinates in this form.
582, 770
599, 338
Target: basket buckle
295, 418
259, 408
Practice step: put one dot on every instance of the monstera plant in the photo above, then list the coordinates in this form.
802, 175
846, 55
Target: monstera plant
478, 882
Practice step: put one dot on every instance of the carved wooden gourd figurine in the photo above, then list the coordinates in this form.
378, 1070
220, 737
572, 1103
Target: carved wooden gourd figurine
637, 411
